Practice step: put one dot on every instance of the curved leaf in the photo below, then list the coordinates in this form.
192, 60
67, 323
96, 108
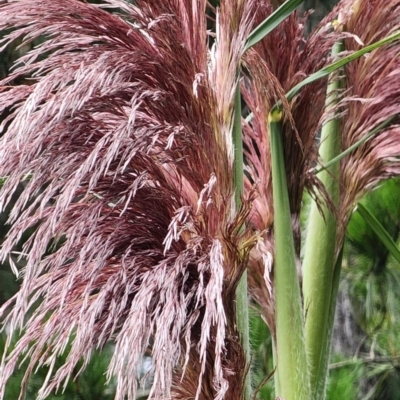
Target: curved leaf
270, 23
379, 230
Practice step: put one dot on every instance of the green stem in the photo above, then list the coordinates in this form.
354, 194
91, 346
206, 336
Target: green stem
319, 256
331, 319
276, 375
238, 149
291, 362
242, 302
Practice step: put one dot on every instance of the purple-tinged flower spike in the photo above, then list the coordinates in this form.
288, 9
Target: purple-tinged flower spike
124, 141
372, 96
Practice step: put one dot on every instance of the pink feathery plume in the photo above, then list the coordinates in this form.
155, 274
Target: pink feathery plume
123, 139
372, 96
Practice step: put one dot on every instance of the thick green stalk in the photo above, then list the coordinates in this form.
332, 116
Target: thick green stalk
291, 362
319, 256
242, 301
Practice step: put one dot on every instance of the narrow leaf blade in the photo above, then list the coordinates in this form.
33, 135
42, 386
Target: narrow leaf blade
379, 230
353, 147
340, 63
270, 23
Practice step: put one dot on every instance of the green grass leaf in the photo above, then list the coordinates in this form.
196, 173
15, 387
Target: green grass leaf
338, 64
370, 134
270, 23
379, 230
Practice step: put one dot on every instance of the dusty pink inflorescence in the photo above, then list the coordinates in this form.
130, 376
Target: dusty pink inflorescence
122, 136
124, 133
